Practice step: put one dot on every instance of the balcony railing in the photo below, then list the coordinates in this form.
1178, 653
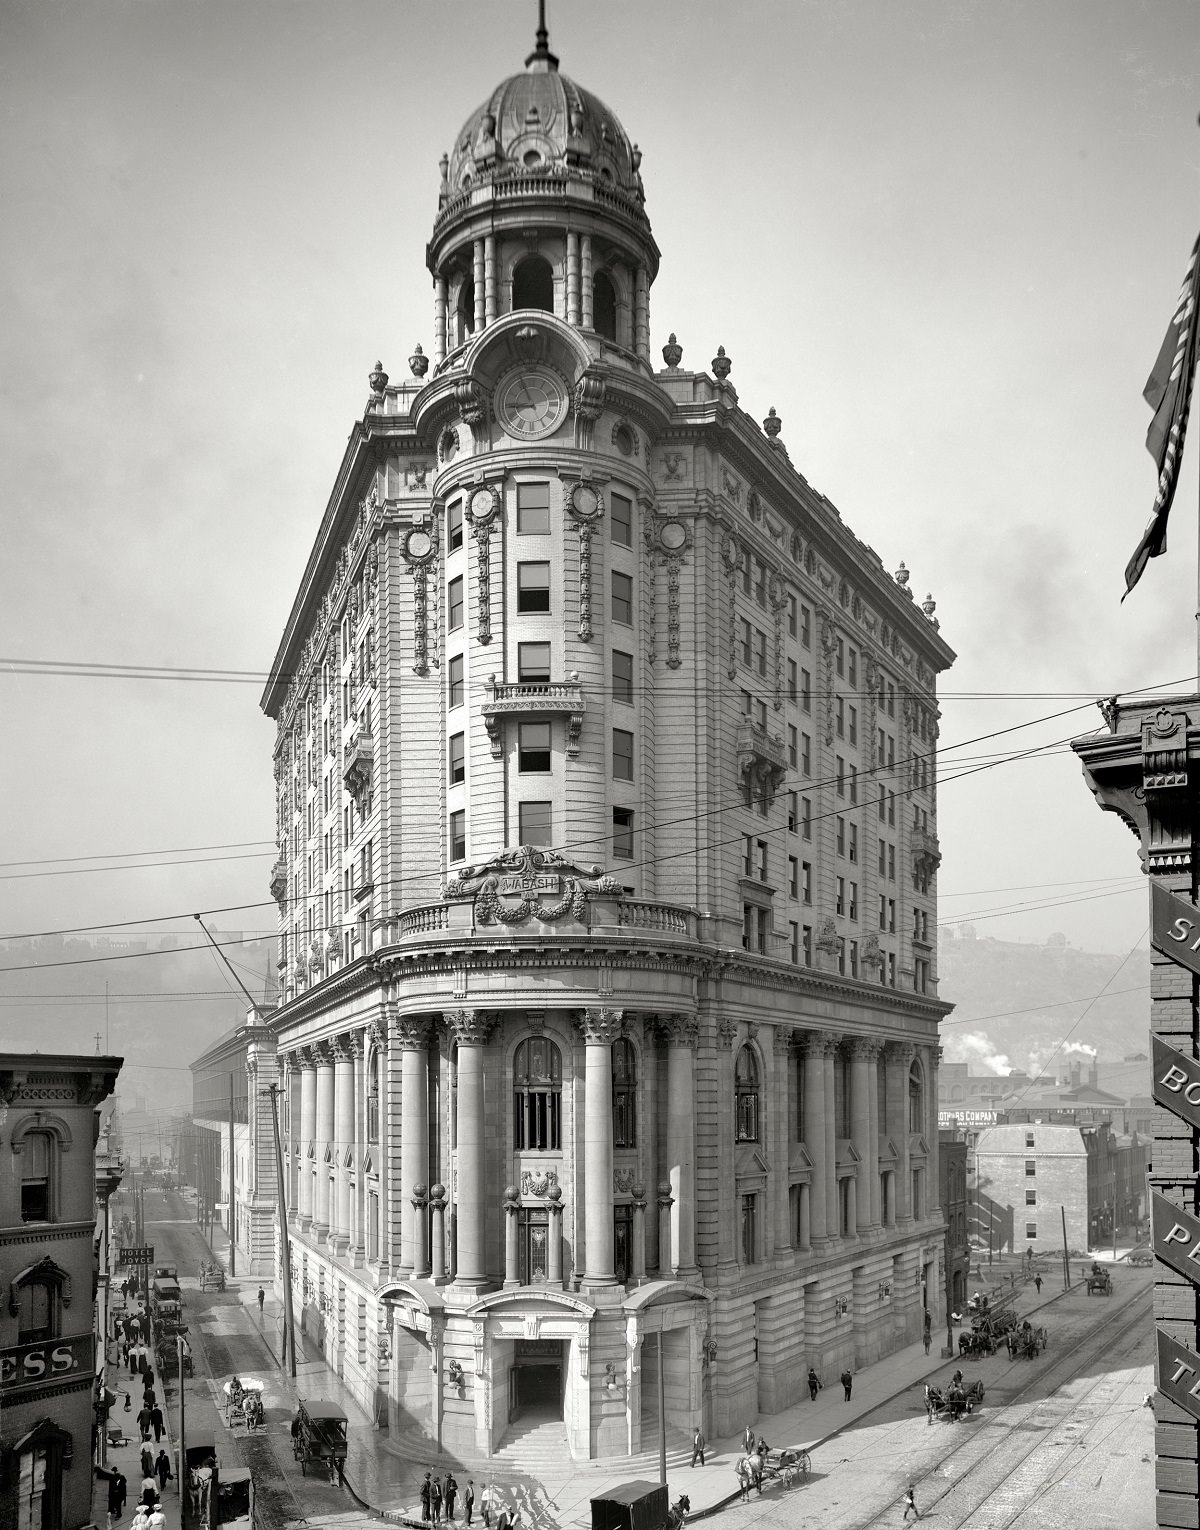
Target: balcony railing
358, 758
926, 850
534, 698
457, 921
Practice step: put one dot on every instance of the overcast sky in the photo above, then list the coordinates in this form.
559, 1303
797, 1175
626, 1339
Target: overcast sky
943, 240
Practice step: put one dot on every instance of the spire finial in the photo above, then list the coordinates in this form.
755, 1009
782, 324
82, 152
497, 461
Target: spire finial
541, 57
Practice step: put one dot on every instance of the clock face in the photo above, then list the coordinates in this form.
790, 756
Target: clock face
531, 402
673, 536
585, 500
482, 502
419, 545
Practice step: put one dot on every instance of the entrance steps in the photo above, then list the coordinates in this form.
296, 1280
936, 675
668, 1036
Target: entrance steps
536, 1440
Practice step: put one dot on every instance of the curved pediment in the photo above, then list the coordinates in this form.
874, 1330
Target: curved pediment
662, 1293
424, 1296
530, 1299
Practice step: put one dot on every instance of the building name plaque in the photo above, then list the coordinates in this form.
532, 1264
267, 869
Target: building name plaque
1175, 927
1178, 1372
1176, 1081
34, 1365
1175, 1236
520, 887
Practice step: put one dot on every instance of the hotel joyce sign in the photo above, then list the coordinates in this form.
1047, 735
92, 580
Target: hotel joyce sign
53, 1360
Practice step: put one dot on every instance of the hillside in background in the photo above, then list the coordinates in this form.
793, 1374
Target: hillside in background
168, 998
1019, 1005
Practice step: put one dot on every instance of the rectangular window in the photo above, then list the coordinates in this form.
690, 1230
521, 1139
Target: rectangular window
805, 690
920, 975
754, 928
840, 896
792, 610
35, 1177
454, 525
883, 804
747, 855
839, 784
1030, 1167
1031, 1197
622, 833
456, 681
620, 518
840, 834
622, 599
1028, 1139
839, 716
533, 587
793, 745
806, 817
747, 704
533, 749
794, 946
454, 603
806, 942
840, 656
760, 583
852, 665
891, 863
749, 1229
852, 723
458, 835
1031, 1229
760, 846
852, 843
458, 758
853, 783
854, 958
792, 680
793, 811
806, 626
806, 753
533, 509
760, 651
747, 644
533, 663
793, 876
534, 823
852, 901
622, 677
622, 755
806, 881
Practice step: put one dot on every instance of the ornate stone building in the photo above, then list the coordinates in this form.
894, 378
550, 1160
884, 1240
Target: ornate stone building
607, 853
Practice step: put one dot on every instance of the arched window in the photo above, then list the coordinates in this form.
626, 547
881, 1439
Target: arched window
604, 306
533, 285
624, 1093
916, 1100
373, 1099
37, 1177
745, 1088
36, 1299
466, 310
537, 1095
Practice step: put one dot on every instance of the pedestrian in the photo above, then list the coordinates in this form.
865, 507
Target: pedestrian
697, 1447
157, 1520
128, 1401
162, 1470
485, 1507
1037, 1280
147, 1461
814, 1384
426, 1495
748, 1440
910, 1502
847, 1380
156, 1418
149, 1491
435, 1500
928, 1340
451, 1494
503, 1522
262, 1296
117, 1490
133, 1362
469, 1498
144, 1421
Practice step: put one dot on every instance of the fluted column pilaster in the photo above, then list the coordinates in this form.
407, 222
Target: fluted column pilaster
323, 1139
469, 1028
860, 1129
411, 1035
308, 1133
822, 1213
600, 1027
682, 1034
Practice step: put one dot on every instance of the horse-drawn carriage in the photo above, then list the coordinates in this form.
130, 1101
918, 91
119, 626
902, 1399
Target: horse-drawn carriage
243, 1403
789, 1464
1026, 1342
212, 1276
952, 1401
992, 1320
1099, 1281
319, 1437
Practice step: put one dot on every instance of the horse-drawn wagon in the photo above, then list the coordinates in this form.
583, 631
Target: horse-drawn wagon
319, 1437
1099, 1281
953, 1401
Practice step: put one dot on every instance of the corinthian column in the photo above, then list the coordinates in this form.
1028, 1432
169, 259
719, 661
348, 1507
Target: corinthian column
601, 1027
343, 1134
682, 1032
412, 1035
469, 1028
829, 1085
813, 1046
873, 1179
860, 1128
323, 1138
308, 1131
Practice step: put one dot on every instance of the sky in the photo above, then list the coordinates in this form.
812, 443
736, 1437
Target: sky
943, 240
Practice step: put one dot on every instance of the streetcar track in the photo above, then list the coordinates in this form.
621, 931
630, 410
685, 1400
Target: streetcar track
1073, 1362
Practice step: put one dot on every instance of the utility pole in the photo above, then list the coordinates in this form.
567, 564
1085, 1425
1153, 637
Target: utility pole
181, 1465
232, 1203
662, 1416
289, 1323
1066, 1253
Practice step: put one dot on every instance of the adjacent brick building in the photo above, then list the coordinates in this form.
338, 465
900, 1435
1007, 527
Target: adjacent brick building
48, 1130
607, 855
1036, 1172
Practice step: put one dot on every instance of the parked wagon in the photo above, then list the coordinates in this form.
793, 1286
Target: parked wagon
212, 1276
319, 1437
792, 1463
243, 1400
1099, 1281
1026, 1342
953, 1401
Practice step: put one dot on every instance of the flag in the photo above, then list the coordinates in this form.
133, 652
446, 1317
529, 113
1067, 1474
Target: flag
1169, 393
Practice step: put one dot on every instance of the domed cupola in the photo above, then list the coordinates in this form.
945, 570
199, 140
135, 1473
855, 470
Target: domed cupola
542, 206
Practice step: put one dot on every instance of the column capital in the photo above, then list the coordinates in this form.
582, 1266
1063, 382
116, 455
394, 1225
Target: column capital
600, 1027
901, 1052
781, 1043
469, 1027
680, 1030
377, 1034
346, 1048
816, 1044
410, 1032
726, 1033
304, 1057
322, 1052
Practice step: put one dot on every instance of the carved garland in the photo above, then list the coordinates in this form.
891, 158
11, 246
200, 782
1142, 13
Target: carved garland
482, 523
731, 556
586, 508
420, 551
649, 532
775, 594
827, 645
